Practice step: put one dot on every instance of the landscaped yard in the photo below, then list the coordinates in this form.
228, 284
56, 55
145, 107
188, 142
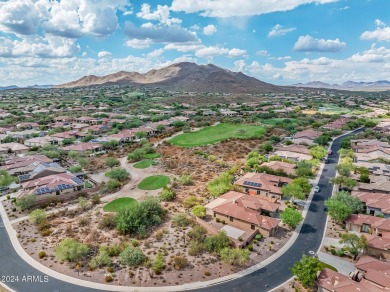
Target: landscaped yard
220, 132
151, 155
154, 182
144, 163
331, 109
275, 121
118, 204
324, 265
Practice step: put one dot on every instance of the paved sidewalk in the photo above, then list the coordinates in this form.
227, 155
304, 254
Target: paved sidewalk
343, 266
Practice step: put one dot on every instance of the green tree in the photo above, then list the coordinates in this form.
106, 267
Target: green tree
345, 143
267, 147
306, 270
304, 169
132, 256
71, 250
199, 211
338, 211
111, 162
291, 217
26, 202
344, 181
221, 184
354, 243
345, 169
293, 191
120, 174
303, 183
137, 218
5, 178
349, 200
8, 139
235, 256
75, 169
37, 216
346, 153
217, 242
318, 152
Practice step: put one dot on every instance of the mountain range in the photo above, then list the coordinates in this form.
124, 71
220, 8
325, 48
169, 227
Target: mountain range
349, 85
31, 86
183, 76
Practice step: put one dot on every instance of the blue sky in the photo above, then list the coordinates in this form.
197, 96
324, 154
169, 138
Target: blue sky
277, 41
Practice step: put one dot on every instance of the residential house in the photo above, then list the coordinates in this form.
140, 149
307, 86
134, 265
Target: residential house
375, 203
337, 124
363, 223
294, 152
380, 186
306, 137
84, 147
244, 213
375, 168
39, 141
383, 126
41, 169
266, 207
23, 165
13, 147
370, 150
52, 185
28, 125
262, 184
288, 168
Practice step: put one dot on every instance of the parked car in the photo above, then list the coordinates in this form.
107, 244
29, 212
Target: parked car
317, 189
330, 152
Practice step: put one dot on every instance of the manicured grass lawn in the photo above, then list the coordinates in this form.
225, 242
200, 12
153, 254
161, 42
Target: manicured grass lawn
220, 132
323, 266
118, 204
154, 182
331, 109
144, 163
88, 185
151, 156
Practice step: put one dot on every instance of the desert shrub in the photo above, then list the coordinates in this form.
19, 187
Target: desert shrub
197, 233
71, 250
167, 195
111, 162
220, 185
102, 259
181, 220
196, 248
83, 221
108, 278
180, 262
234, 256
41, 254
112, 185
250, 247
207, 273
95, 199
199, 211
135, 243
216, 243
112, 250
340, 253
26, 202
158, 264
186, 180
119, 174
107, 222
37, 216
192, 201
132, 256
82, 203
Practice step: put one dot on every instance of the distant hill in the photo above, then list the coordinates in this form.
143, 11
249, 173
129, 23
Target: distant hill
8, 87
183, 77
380, 85
30, 86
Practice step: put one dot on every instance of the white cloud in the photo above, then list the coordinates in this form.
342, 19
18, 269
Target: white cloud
160, 33
236, 53
373, 55
284, 58
278, 30
195, 27
222, 8
263, 53
139, 44
161, 14
380, 34
104, 55
185, 47
309, 44
156, 53
239, 65
36, 46
209, 29
66, 18
210, 52
379, 22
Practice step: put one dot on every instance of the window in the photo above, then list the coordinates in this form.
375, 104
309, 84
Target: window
258, 192
246, 190
231, 218
365, 228
253, 226
215, 214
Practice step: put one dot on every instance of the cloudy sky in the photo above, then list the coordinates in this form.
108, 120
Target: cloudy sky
278, 41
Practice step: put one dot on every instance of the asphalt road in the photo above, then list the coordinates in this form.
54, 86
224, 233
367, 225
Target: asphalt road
265, 279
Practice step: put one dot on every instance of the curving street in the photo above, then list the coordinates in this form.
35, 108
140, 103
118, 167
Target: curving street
264, 279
